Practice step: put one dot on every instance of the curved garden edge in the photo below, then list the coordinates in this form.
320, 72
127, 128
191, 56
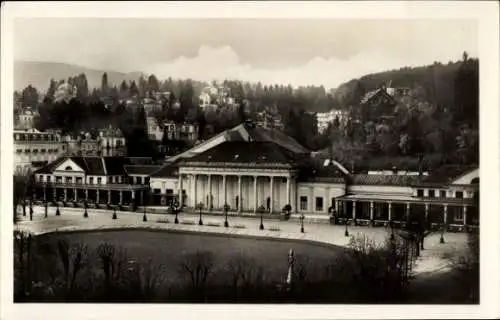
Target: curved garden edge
205, 230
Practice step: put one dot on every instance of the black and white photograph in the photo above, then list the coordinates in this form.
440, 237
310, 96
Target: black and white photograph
239, 159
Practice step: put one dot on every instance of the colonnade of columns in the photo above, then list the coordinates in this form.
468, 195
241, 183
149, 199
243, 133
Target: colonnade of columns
121, 195
407, 212
225, 178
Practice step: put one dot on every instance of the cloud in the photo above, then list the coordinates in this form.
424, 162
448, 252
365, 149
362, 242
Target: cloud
219, 63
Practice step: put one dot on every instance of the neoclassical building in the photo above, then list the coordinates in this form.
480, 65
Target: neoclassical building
249, 167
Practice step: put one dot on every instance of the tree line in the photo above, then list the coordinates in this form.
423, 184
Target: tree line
438, 119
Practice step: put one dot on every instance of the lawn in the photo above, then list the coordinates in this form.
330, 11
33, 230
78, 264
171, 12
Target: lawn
171, 248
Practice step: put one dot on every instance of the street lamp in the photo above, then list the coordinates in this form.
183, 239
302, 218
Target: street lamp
346, 233
85, 213
199, 206
46, 209
391, 224
443, 226
114, 213
226, 209
31, 210
261, 211
58, 213
144, 218
175, 208
24, 207
302, 223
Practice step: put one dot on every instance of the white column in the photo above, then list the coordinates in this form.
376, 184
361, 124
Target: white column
195, 180
86, 194
271, 191
371, 210
354, 210
465, 215
65, 194
75, 193
311, 198
180, 191
407, 211
255, 194
288, 190
426, 212
109, 197
121, 196
389, 216
97, 195
209, 192
224, 190
240, 202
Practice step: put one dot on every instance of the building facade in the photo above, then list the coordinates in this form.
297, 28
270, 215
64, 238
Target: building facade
326, 118
33, 149
108, 142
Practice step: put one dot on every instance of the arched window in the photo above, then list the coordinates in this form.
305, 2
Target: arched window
475, 181
68, 168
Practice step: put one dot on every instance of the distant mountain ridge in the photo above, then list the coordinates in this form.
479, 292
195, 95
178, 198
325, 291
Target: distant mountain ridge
38, 74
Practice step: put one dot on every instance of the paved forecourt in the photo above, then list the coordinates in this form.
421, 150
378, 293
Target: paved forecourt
71, 219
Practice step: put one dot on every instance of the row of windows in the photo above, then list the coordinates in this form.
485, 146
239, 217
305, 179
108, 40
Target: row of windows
79, 180
37, 150
319, 203
35, 137
439, 193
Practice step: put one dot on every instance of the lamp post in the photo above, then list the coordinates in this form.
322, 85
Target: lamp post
144, 218
441, 239
114, 213
261, 211
175, 208
58, 213
31, 210
302, 223
85, 213
226, 209
46, 205
199, 206
346, 233
391, 224
24, 207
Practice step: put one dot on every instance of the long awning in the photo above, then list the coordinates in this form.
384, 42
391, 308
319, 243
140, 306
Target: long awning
404, 199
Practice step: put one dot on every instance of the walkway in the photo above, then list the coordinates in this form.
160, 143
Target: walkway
431, 260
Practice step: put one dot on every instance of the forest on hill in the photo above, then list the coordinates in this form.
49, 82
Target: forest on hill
438, 121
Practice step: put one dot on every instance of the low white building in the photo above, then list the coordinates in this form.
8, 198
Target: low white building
325, 118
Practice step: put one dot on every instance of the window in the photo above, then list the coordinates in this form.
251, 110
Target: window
69, 179
40, 178
68, 168
458, 215
43, 150
420, 193
319, 204
99, 180
59, 179
303, 203
431, 194
334, 204
19, 150
170, 191
156, 190
48, 178
91, 180
110, 179
442, 193
139, 180
26, 150
459, 194
79, 180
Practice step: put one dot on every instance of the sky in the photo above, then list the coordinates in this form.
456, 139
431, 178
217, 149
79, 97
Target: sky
324, 52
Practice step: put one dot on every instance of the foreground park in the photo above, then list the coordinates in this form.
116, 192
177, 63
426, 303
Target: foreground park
101, 259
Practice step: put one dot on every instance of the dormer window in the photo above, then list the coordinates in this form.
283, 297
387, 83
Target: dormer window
68, 168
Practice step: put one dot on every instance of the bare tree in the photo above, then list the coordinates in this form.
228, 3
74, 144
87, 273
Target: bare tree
197, 267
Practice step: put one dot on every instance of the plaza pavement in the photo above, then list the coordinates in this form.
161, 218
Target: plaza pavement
432, 259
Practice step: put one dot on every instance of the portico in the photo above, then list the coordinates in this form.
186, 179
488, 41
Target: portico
244, 190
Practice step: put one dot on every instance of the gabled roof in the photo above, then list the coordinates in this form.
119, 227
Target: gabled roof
167, 170
92, 165
371, 94
248, 132
243, 153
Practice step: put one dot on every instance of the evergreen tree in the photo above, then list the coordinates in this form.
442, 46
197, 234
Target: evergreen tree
104, 84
